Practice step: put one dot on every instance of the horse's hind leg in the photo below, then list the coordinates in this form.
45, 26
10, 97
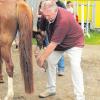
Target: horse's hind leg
6, 54
1, 76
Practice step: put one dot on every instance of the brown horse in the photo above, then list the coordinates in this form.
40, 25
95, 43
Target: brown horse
16, 15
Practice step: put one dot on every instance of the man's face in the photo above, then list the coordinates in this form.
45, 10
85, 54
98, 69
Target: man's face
48, 9
48, 14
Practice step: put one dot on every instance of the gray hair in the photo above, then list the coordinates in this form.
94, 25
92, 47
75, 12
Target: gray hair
48, 4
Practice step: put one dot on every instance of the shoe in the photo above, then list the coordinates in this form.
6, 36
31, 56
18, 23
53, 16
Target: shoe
60, 73
46, 93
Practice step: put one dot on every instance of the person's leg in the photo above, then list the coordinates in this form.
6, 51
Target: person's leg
46, 41
61, 65
76, 71
52, 61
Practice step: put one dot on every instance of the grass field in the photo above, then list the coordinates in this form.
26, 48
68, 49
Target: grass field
94, 38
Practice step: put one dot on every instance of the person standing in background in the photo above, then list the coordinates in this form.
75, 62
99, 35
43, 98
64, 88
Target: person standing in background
70, 9
61, 64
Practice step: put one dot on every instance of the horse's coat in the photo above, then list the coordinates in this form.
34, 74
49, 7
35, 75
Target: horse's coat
14, 15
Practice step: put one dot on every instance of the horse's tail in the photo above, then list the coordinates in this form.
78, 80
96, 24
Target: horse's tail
24, 14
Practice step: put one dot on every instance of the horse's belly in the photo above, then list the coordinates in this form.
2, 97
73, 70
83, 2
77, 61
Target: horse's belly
8, 23
6, 39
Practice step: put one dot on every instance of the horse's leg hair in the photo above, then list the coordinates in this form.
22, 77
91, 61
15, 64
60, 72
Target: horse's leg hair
10, 93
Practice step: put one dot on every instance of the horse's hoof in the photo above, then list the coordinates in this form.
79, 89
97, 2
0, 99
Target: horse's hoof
1, 81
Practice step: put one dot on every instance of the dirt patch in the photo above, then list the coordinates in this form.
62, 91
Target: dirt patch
91, 69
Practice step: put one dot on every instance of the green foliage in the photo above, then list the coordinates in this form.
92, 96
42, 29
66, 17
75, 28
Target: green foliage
94, 38
34, 41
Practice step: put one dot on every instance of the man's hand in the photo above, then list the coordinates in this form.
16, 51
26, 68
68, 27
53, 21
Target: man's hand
40, 61
41, 58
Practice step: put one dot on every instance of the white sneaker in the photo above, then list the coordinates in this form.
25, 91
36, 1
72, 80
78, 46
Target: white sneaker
60, 73
46, 93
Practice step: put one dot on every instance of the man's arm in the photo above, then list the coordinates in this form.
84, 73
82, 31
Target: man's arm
50, 48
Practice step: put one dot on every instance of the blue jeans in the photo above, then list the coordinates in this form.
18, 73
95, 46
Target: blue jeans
61, 64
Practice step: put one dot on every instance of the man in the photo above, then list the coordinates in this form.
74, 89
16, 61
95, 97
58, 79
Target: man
61, 63
65, 35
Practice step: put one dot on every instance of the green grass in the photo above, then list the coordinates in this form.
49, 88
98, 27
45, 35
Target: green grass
94, 38
34, 41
